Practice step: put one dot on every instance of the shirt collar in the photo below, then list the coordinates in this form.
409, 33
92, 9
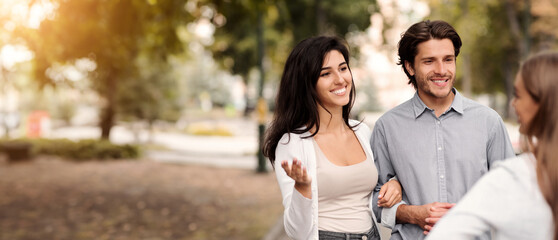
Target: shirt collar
419, 107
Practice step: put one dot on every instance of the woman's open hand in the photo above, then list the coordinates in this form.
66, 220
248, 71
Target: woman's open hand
300, 175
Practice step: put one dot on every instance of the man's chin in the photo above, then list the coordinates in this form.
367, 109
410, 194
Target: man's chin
443, 93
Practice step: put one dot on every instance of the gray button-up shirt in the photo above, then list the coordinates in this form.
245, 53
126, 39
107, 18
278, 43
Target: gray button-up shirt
436, 159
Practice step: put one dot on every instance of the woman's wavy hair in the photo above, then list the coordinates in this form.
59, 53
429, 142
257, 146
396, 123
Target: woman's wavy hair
540, 77
297, 100
421, 32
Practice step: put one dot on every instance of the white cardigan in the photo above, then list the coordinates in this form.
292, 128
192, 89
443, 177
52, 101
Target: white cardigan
301, 214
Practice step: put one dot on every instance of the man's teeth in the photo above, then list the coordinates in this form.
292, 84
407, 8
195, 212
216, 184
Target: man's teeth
439, 81
339, 91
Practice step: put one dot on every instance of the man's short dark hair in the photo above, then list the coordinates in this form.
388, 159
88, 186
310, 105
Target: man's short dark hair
422, 32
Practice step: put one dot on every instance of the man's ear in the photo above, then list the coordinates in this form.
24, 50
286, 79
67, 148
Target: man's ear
409, 68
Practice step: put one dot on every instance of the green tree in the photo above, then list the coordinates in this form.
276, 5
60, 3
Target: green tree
285, 22
115, 35
150, 95
496, 36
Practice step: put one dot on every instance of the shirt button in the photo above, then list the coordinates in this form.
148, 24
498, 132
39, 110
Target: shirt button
364, 238
442, 176
439, 148
438, 122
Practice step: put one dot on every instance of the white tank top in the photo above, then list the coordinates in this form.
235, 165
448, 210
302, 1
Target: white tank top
344, 194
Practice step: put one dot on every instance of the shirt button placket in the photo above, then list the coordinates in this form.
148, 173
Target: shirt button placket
441, 162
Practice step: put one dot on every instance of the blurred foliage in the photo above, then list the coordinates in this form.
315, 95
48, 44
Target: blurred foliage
285, 23
497, 35
202, 82
297, 20
152, 95
65, 111
87, 149
367, 100
129, 41
126, 47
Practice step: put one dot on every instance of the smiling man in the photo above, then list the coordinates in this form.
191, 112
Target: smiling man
438, 143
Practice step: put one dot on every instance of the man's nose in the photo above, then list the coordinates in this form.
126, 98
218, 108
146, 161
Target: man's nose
440, 68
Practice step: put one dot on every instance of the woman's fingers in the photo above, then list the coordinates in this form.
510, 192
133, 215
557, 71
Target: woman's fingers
389, 195
394, 198
382, 191
286, 166
296, 171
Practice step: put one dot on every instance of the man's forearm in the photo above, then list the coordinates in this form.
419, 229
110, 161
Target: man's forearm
406, 214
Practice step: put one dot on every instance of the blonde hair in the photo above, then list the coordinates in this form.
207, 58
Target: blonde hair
540, 77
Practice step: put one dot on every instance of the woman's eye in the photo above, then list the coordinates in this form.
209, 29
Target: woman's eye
324, 74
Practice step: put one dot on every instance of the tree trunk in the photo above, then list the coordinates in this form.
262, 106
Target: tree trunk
467, 80
522, 38
261, 112
150, 131
108, 113
107, 121
321, 19
248, 107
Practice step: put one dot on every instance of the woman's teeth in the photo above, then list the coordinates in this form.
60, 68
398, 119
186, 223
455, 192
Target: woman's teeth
339, 91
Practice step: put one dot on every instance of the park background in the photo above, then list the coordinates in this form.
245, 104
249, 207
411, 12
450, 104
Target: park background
180, 91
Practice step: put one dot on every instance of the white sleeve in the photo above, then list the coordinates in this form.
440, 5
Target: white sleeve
490, 200
297, 216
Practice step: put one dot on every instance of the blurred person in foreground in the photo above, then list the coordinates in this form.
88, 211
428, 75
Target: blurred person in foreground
322, 159
518, 199
438, 143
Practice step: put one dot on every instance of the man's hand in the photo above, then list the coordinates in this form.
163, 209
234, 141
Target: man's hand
390, 194
435, 213
419, 214
299, 174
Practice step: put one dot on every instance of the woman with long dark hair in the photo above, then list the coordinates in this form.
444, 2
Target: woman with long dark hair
518, 199
322, 159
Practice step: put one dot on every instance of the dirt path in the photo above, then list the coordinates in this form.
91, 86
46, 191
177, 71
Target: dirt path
49, 198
